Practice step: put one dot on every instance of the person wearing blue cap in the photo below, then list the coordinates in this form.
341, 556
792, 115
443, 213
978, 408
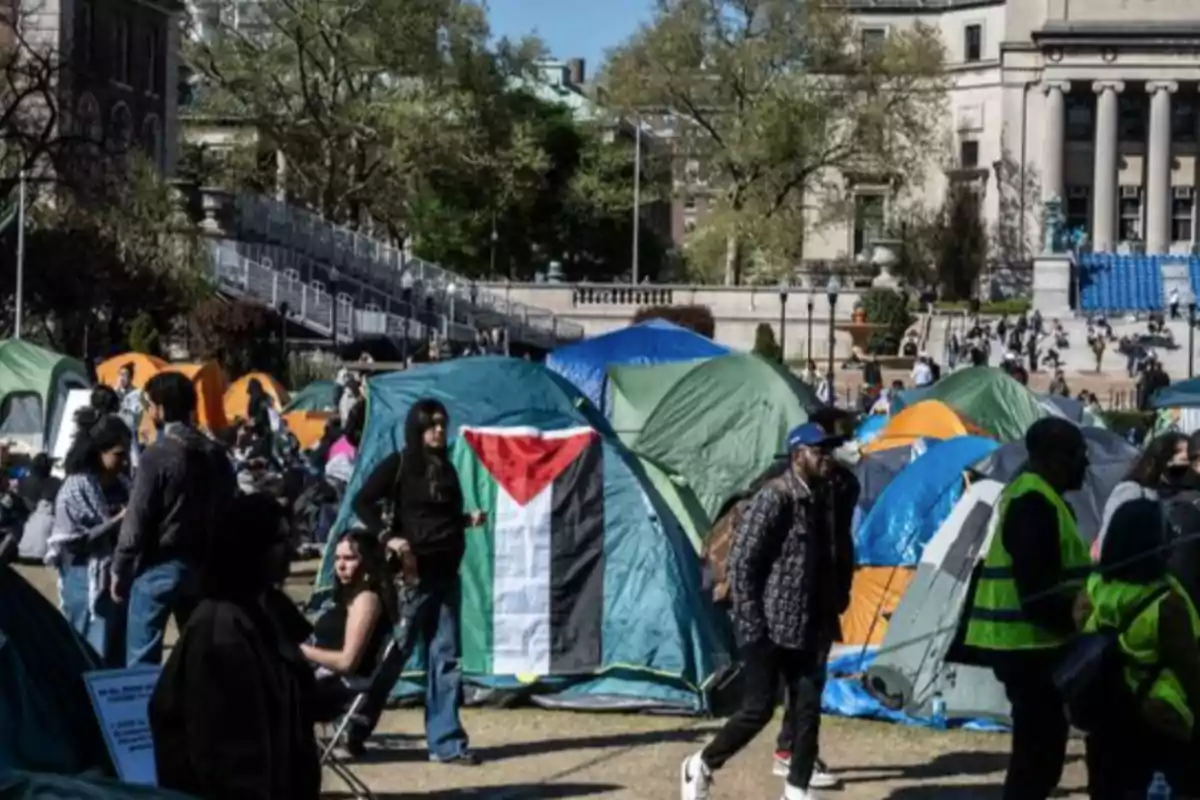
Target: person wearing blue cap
785, 605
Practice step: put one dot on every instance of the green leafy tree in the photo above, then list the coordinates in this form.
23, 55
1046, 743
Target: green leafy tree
779, 102
143, 336
241, 336
960, 243
364, 102
96, 262
765, 344
888, 308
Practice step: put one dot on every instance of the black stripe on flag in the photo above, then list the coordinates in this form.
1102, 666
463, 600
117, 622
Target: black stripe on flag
577, 564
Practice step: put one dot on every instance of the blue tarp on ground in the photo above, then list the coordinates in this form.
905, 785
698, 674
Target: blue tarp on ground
916, 502
662, 639
655, 341
846, 696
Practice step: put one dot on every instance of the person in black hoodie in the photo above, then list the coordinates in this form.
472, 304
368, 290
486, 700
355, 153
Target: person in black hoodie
1180, 495
233, 713
427, 531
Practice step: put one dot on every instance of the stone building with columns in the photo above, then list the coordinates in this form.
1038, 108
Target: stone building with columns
1092, 101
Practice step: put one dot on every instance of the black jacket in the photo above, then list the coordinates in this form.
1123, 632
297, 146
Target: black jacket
428, 511
184, 482
232, 714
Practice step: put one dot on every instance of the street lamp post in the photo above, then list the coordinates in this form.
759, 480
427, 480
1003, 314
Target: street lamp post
783, 298
495, 239
811, 302
406, 285
451, 291
334, 277
284, 309
831, 292
1192, 338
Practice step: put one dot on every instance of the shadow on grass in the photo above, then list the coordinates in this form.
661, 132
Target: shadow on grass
517, 791
945, 765
398, 748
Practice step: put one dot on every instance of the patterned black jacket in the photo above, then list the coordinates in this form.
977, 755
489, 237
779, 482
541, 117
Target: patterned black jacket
783, 569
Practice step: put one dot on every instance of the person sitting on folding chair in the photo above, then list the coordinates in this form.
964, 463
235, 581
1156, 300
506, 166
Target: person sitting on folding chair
349, 638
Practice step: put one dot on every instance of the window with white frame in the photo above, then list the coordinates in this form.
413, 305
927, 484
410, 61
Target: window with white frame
968, 154
973, 43
868, 220
1183, 206
1079, 208
1131, 214
872, 41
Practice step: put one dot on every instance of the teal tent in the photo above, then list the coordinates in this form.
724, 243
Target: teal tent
46, 720
316, 396
583, 590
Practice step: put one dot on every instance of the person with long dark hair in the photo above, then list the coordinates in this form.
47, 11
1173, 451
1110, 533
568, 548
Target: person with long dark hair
427, 530
89, 509
351, 635
233, 712
1151, 725
1161, 465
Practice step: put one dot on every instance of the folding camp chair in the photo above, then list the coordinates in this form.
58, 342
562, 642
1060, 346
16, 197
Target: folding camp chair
370, 696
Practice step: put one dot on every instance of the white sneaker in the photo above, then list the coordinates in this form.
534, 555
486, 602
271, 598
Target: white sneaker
821, 778
695, 779
792, 793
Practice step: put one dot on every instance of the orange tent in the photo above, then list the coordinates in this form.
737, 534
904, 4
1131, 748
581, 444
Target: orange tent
144, 368
874, 596
210, 392
929, 419
308, 426
237, 397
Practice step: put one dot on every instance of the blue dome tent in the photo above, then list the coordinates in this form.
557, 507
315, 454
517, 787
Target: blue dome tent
573, 520
655, 341
916, 502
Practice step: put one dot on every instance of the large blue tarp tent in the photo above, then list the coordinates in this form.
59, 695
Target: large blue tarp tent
916, 502
1181, 394
655, 341
655, 639
46, 719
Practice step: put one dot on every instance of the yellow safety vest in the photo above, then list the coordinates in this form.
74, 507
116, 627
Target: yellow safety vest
996, 620
1111, 601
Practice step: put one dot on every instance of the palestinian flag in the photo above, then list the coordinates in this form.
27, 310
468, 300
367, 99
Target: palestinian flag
533, 582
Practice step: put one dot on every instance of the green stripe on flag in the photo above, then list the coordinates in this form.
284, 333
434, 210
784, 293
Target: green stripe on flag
479, 492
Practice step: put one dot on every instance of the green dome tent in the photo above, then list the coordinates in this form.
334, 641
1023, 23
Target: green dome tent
316, 396
997, 403
34, 384
718, 423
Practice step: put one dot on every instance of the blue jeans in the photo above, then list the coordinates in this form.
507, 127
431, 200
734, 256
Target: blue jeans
435, 622
155, 595
104, 630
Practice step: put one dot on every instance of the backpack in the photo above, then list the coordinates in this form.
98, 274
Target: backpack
1090, 676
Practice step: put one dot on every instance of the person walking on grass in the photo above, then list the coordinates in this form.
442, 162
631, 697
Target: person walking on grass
784, 602
1022, 613
180, 494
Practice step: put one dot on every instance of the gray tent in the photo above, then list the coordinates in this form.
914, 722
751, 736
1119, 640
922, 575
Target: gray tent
911, 669
1110, 457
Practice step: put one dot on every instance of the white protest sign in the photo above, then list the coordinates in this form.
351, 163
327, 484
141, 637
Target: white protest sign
121, 700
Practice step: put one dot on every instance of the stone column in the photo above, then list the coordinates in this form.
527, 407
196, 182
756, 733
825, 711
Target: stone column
1104, 192
1055, 136
1158, 167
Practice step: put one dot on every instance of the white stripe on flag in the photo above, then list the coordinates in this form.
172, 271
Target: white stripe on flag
521, 584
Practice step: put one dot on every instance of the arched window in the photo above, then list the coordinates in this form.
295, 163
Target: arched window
120, 135
152, 139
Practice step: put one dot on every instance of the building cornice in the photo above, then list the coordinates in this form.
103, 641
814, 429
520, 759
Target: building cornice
1143, 35
912, 6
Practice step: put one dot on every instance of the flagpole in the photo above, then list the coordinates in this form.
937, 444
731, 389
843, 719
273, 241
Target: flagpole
20, 260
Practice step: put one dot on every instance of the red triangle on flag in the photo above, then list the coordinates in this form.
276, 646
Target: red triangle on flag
525, 462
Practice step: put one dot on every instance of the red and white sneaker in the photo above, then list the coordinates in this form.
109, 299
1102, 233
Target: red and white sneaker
821, 778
